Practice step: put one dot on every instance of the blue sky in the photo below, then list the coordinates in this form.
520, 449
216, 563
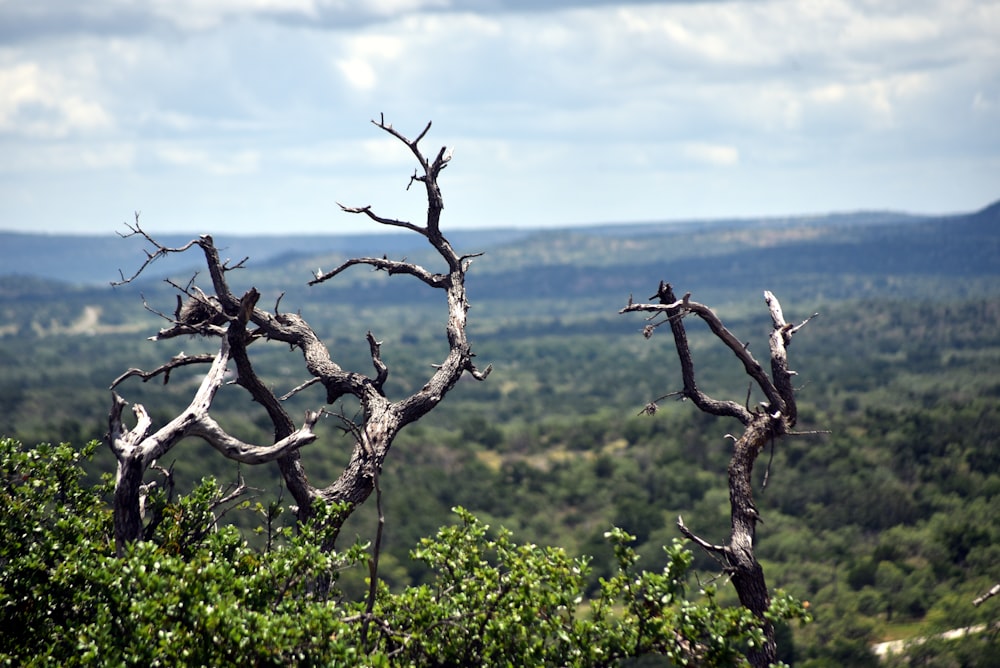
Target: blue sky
252, 116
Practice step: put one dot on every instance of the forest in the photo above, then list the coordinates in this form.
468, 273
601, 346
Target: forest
880, 517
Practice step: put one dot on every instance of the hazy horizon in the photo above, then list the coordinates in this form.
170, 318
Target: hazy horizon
374, 229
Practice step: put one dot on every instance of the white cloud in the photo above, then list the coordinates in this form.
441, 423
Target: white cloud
216, 163
366, 56
716, 155
983, 103
53, 158
378, 152
43, 104
875, 102
583, 107
359, 73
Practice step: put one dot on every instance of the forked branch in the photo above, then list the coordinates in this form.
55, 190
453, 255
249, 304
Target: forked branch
239, 323
137, 448
761, 426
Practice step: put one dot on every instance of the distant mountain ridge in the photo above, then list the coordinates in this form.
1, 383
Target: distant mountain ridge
97, 259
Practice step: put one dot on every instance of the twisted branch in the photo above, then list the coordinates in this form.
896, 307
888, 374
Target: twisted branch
760, 427
137, 448
382, 418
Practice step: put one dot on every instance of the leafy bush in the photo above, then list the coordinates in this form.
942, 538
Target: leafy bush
197, 594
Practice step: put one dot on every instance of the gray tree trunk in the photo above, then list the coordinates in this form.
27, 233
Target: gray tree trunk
762, 425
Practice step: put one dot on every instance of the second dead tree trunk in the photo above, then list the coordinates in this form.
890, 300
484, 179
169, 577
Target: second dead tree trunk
773, 418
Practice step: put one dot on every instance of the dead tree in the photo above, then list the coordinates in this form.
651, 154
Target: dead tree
762, 424
982, 598
214, 311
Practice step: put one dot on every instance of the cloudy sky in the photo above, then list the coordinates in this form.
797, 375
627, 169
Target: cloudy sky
253, 116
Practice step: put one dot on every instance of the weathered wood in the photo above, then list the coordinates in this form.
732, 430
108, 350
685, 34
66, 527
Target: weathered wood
240, 323
760, 426
136, 449
993, 591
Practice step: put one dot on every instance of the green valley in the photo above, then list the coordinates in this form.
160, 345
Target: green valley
884, 518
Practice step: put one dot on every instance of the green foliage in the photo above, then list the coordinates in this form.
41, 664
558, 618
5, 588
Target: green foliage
494, 602
208, 599
200, 595
887, 525
908, 476
977, 650
54, 533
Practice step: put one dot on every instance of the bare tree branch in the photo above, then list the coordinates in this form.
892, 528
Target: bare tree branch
373, 563
381, 370
298, 388
761, 426
367, 210
700, 542
178, 360
151, 257
224, 315
389, 266
136, 449
675, 309
994, 591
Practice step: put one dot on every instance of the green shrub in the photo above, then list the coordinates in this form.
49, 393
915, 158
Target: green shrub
195, 594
